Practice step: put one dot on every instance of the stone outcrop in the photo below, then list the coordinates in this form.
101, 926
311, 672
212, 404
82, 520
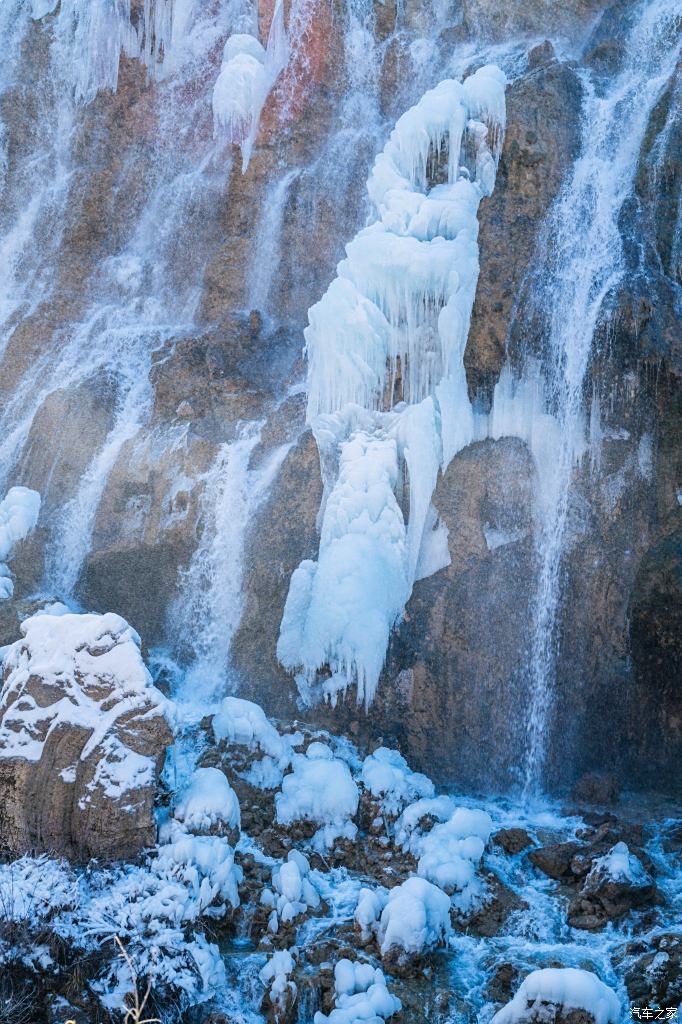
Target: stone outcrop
82, 739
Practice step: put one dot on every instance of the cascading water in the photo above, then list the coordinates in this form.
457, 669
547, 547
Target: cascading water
582, 266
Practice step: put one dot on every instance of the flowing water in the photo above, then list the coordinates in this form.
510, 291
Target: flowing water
584, 264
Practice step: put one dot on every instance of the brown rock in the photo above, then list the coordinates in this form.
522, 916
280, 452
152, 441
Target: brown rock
555, 860
512, 840
82, 739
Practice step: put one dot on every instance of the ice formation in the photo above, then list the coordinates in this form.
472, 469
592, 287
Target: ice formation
18, 516
246, 77
450, 853
319, 789
92, 675
389, 778
208, 802
413, 917
275, 975
619, 865
244, 723
387, 390
567, 987
361, 996
293, 891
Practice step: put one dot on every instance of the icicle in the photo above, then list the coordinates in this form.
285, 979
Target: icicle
387, 389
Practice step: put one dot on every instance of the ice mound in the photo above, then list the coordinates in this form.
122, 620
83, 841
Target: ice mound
389, 778
360, 996
244, 723
292, 893
319, 789
19, 511
412, 918
568, 988
282, 992
450, 853
618, 865
208, 802
387, 392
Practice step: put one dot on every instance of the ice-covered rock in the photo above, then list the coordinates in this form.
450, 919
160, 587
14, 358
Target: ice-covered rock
292, 893
616, 883
83, 734
407, 921
550, 994
320, 789
391, 781
361, 996
208, 804
282, 991
244, 724
450, 853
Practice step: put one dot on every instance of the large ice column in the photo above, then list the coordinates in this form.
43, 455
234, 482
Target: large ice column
387, 394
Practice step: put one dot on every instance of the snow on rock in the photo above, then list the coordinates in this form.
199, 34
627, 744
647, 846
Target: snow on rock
319, 789
156, 908
83, 734
361, 996
387, 391
411, 919
208, 803
389, 778
619, 865
450, 853
567, 988
281, 990
292, 893
19, 511
408, 830
244, 723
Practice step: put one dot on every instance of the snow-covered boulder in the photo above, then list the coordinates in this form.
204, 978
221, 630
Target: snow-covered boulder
83, 734
616, 884
360, 996
241, 723
551, 994
407, 921
281, 990
388, 777
320, 789
293, 892
209, 804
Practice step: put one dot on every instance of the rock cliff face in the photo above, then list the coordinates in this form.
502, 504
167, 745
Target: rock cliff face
189, 289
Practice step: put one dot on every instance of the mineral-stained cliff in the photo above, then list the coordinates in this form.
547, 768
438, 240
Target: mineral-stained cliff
155, 319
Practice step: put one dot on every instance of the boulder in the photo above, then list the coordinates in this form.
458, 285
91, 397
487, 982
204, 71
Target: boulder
82, 738
512, 840
597, 788
615, 884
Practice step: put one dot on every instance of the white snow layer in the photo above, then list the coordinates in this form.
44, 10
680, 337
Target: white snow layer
319, 789
413, 917
389, 778
567, 987
388, 398
293, 891
360, 996
92, 668
18, 516
244, 723
207, 802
